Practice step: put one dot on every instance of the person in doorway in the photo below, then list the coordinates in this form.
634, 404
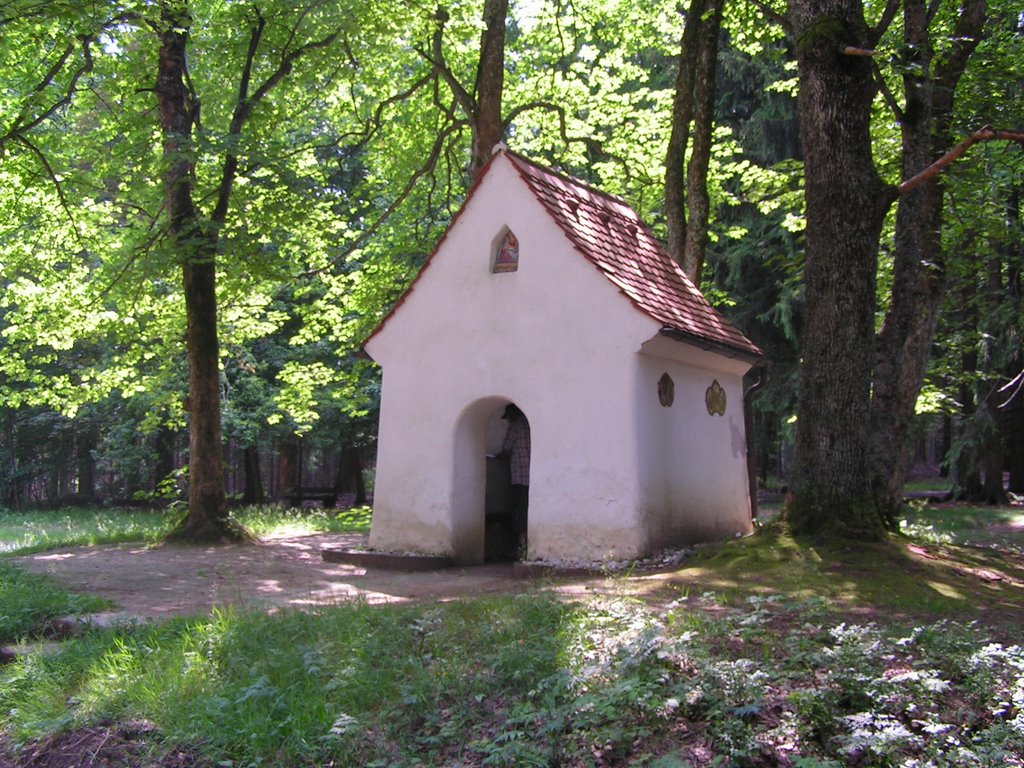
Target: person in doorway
516, 449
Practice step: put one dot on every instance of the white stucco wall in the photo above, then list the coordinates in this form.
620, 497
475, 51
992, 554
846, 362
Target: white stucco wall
693, 464
559, 340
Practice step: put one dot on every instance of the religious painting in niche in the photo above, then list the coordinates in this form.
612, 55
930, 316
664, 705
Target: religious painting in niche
506, 255
666, 390
715, 399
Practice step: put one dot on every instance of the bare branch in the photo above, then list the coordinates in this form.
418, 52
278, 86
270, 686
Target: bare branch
982, 134
1014, 386
849, 50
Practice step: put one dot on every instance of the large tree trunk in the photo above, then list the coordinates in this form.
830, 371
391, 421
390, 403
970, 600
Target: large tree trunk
207, 518
698, 203
905, 340
490, 81
846, 204
686, 195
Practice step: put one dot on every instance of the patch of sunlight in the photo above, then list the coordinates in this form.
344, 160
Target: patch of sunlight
946, 590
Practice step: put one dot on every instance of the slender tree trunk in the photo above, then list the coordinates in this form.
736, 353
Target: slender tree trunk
967, 474
163, 456
846, 204
11, 490
993, 455
1015, 438
686, 197
288, 473
698, 203
253, 493
349, 474
993, 459
1015, 295
207, 518
85, 444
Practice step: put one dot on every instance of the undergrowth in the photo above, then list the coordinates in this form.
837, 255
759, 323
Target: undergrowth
533, 681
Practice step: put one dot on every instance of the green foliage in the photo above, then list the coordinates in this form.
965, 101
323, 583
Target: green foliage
531, 680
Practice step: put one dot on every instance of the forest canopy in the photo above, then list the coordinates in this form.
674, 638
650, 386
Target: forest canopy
206, 206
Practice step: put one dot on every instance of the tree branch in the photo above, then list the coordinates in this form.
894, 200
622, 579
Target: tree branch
887, 95
23, 123
24, 140
982, 134
246, 103
436, 58
774, 16
892, 7
427, 167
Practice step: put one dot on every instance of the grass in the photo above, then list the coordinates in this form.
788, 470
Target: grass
35, 531
38, 530
959, 574
266, 521
763, 651
29, 604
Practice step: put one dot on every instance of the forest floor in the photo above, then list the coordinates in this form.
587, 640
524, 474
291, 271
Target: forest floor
983, 575
144, 582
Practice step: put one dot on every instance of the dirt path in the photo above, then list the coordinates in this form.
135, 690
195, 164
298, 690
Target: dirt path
157, 582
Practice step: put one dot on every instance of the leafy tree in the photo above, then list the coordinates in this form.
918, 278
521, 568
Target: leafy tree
838, 484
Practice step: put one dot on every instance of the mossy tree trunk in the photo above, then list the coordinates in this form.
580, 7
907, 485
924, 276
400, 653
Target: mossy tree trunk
846, 204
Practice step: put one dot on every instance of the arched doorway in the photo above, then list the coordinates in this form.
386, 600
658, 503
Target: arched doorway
482, 496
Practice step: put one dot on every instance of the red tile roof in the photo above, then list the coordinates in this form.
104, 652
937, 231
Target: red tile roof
610, 235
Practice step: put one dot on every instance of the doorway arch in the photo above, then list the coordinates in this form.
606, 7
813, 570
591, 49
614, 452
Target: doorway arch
476, 482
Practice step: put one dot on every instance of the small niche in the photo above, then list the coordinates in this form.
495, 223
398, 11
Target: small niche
666, 390
506, 252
